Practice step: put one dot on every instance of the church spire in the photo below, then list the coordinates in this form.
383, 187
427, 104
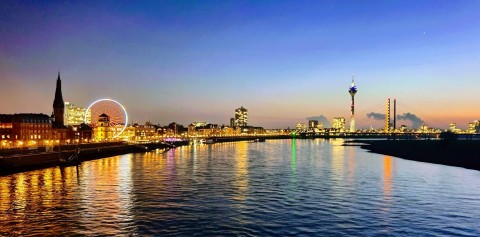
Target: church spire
58, 104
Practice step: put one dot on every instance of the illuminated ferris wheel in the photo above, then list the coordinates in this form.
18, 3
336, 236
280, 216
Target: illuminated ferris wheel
113, 109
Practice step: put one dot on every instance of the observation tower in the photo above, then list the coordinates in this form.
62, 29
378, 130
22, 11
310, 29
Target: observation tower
352, 90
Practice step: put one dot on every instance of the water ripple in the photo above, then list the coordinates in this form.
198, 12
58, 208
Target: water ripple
277, 188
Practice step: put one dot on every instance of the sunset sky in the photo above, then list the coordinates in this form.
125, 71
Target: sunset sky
284, 61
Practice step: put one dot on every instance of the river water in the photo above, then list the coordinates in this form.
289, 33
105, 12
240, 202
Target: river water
276, 188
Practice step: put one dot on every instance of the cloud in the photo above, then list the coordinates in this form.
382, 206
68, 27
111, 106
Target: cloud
376, 116
320, 119
416, 121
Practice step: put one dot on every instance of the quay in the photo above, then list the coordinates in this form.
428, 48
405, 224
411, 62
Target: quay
30, 159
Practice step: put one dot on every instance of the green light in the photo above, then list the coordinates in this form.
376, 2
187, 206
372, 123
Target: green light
293, 162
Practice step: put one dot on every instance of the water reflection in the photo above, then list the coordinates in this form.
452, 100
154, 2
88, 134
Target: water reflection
351, 164
387, 176
193, 155
293, 162
338, 158
241, 171
100, 197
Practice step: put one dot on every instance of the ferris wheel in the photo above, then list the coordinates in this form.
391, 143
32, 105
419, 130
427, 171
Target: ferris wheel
113, 109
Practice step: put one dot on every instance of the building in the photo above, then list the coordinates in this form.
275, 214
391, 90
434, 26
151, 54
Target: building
172, 130
249, 130
241, 117
59, 132
127, 135
300, 127
31, 129
338, 124
81, 133
76, 115
195, 127
319, 128
199, 124
6, 128
208, 130
58, 106
312, 124
25, 129
232, 122
453, 128
145, 132
423, 129
103, 131
474, 127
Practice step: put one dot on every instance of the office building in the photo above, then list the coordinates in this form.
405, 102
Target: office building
76, 115
338, 124
241, 117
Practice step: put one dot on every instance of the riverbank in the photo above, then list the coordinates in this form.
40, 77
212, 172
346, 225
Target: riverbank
460, 153
37, 159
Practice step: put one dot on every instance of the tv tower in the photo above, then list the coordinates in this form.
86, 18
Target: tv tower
352, 90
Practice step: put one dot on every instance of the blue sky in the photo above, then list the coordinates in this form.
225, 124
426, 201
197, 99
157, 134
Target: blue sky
190, 61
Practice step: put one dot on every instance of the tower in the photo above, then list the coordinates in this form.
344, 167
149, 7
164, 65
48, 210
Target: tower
103, 128
394, 115
58, 105
387, 117
352, 90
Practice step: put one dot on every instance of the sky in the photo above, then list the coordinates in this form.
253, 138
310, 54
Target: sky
285, 61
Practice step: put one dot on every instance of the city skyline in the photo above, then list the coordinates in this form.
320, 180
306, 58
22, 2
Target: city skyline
284, 62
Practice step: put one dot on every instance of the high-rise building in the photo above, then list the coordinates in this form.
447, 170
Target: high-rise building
338, 124
352, 90
241, 117
76, 115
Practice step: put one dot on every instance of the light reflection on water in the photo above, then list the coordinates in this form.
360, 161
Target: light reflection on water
284, 187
